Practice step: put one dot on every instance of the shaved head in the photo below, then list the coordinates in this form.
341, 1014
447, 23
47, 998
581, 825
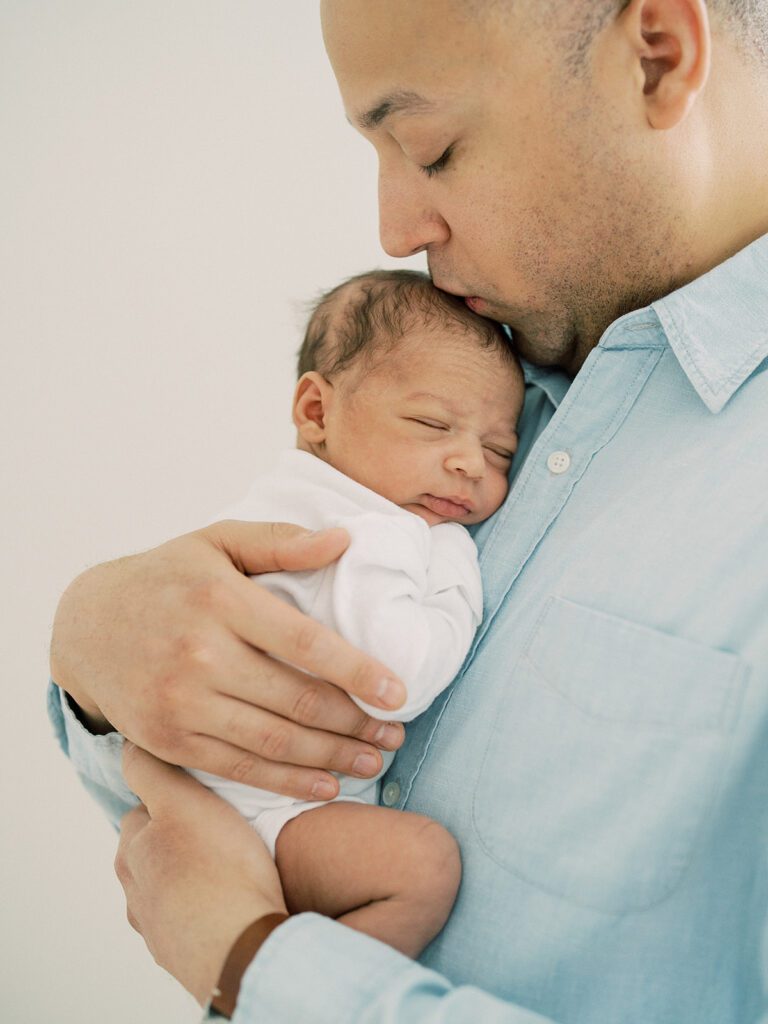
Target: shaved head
579, 22
560, 162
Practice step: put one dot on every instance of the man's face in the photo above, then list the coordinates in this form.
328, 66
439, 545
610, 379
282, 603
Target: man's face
522, 181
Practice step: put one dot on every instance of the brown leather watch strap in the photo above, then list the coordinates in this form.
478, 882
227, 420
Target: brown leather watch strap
240, 956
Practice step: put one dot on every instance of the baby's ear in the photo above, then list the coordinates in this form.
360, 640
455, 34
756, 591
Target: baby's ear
310, 401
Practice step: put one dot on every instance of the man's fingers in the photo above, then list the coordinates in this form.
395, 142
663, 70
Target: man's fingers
158, 785
272, 737
295, 695
268, 623
132, 823
270, 547
230, 762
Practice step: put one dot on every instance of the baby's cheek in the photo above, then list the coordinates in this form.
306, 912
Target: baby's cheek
500, 493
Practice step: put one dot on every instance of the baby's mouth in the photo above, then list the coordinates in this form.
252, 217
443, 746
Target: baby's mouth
445, 506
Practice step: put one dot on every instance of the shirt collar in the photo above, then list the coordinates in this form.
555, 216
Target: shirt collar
552, 381
717, 325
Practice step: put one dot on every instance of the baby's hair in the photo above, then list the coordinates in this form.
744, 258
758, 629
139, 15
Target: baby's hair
380, 307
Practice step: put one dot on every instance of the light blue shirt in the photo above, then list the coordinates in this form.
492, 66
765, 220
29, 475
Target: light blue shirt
603, 756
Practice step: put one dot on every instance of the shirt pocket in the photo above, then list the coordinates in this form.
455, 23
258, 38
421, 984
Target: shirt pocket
604, 757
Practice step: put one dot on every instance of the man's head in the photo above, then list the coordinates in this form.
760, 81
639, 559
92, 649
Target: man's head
405, 390
560, 162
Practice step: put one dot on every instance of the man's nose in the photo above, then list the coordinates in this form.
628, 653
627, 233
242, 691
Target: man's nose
467, 459
406, 224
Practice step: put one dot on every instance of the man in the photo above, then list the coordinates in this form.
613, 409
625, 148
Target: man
594, 175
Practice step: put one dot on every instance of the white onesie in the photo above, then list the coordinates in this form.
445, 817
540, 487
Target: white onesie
404, 592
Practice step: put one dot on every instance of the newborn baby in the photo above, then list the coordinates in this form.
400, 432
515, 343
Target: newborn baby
406, 408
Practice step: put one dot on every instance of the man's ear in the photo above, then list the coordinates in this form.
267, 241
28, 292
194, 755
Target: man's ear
671, 39
310, 405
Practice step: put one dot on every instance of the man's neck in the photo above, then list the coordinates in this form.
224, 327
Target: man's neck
733, 210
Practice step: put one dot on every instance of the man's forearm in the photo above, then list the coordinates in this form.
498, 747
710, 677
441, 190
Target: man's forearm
64, 675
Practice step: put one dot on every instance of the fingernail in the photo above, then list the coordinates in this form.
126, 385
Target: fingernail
390, 693
365, 764
387, 735
323, 790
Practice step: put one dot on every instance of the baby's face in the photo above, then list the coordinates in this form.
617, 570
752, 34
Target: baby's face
431, 426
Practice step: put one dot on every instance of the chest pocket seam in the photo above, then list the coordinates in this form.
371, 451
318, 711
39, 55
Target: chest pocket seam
602, 800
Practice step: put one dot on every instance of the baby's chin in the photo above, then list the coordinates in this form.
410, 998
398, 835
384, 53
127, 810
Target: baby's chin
430, 518
433, 518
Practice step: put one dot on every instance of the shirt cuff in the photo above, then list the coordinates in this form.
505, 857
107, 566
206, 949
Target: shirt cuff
313, 968
96, 758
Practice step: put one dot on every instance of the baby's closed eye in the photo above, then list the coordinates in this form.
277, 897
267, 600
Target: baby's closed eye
434, 424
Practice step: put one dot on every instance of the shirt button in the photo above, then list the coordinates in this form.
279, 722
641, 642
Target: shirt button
390, 794
558, 462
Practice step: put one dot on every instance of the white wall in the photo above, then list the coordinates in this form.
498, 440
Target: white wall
176, 177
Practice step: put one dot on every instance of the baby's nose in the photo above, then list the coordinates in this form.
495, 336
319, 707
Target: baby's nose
467, 459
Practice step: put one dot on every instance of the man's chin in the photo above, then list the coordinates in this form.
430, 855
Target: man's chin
527, 326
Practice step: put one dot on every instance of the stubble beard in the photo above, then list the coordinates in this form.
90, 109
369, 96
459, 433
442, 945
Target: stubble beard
566, 337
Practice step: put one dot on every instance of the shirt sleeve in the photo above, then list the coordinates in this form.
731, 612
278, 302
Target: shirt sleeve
314, 969
310, 968
410, 596
96, 759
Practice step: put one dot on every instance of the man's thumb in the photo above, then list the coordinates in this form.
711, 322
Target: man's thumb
153, 781
270, 547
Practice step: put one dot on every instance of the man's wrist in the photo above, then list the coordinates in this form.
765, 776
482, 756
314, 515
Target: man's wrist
244, 949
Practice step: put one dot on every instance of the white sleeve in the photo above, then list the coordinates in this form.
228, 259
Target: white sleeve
410, 596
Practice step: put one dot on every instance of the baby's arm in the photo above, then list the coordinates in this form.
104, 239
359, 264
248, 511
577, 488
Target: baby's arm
411, 596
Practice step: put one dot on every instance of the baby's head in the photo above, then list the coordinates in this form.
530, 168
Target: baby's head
406, 390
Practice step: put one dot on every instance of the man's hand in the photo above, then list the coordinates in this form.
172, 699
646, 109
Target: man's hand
195, 874
176, 649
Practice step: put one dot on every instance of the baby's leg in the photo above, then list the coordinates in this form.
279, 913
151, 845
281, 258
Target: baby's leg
391, 874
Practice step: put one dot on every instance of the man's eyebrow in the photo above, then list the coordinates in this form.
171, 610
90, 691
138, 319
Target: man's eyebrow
402, 102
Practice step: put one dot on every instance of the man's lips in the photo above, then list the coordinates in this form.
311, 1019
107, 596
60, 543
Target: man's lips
473, 301
453, 506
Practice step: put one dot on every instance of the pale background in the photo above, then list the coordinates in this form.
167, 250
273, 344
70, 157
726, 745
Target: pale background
176, 179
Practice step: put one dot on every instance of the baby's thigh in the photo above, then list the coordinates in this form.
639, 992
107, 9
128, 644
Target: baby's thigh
343, 855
